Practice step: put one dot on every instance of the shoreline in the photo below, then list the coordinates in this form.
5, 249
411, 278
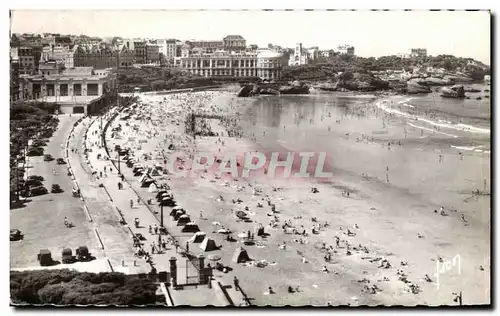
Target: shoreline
198, 194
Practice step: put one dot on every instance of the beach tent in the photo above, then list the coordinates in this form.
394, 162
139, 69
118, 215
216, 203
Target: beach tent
240, 255
147, 182
208, 244
152, 188
160, 193
154, 172
179, 213
183, 220
174, 210
190, 227
198, 237
143, 177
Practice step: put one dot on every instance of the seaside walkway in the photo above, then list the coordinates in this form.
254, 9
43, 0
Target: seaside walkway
187, 273
99, 210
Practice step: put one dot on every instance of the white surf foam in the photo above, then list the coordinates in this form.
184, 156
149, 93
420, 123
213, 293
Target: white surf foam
459, 127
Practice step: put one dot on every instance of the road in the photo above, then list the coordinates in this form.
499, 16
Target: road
41, 220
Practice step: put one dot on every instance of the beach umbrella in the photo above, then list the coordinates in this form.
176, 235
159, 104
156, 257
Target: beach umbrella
214, 258
241, 214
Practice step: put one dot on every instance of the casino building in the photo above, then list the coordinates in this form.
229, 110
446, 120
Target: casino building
264, 64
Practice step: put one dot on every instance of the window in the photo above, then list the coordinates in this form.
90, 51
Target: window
77, 89
63, 89
92, 89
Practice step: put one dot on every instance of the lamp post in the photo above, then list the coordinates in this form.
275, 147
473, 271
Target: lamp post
119, 172
161, 215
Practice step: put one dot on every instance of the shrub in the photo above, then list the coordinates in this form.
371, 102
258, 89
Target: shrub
67, 287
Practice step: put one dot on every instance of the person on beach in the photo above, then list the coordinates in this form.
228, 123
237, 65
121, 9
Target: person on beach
131, 203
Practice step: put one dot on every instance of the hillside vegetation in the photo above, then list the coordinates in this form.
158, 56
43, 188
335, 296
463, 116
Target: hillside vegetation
156, 78
327, 68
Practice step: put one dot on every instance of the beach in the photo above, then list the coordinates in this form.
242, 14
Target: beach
374, 217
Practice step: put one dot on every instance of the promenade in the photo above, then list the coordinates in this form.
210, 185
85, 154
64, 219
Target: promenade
119, 208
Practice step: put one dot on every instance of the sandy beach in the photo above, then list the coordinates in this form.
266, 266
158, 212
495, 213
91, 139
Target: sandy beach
372, 233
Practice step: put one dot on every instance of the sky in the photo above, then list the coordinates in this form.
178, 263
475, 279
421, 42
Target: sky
373, 34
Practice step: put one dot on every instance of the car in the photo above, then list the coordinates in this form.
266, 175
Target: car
35, 151
38, 143
38, 190
35, 177
45, 257
48, 157
56, 188
67, 256
33, 183
83, 254
15, 234
61, 161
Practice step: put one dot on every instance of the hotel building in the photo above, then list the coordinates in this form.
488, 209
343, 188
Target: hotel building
265, 64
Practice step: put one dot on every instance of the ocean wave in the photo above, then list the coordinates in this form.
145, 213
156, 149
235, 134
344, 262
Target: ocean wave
459, 127
472, 148
431, 130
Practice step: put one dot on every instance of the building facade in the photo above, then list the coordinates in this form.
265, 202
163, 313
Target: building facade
140, 52
26, 57
418, 52
346, 50
266, 65
234, 43
77, 90
152, 53
98, 59
299, 57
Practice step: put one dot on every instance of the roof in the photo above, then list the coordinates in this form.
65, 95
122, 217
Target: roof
269, 54
234, 37
86, 71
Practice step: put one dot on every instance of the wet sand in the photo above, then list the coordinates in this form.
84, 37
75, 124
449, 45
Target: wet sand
389, 216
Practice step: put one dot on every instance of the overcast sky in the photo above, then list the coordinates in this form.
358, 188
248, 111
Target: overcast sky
460, 33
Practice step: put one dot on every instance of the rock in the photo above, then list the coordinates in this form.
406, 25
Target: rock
456, 78
245, 91
269, 91
457, 91
294, 89
470, 89
433, 81
416, 85
361, 82
328, 86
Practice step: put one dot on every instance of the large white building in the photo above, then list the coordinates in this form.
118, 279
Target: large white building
346, 50
418, 52
265, 64
299, 57
77, 90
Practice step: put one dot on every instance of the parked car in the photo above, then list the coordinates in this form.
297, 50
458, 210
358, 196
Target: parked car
35, 177
35, 151
67, 256
38, 143
82, 253
39, 190
56, 188
61, 161
15, 234
48, 157
33, 183
45, 257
